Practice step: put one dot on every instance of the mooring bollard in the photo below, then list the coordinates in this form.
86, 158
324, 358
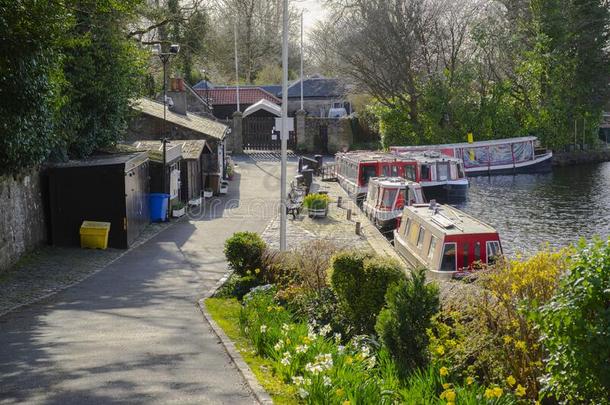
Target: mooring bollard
349, 214
357, 228
339, 201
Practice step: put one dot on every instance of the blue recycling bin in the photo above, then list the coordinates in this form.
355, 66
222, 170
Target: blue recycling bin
158, 207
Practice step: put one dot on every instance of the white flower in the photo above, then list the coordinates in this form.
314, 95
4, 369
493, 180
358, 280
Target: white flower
371, 362
325, 330
298, 380
326, 381
246, 329
263, 328
337, 337
303, 393
285, 361
301, 348
286, 328
308, 381
366, 351
340, 349
279, 345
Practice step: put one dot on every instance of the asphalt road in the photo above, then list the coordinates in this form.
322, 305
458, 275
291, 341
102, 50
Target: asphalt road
133, 333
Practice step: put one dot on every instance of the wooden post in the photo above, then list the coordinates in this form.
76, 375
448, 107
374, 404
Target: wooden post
357, 228
349, 214
339, 201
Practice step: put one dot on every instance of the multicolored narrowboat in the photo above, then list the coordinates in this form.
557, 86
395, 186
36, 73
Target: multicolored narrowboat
445, 240
441, 177
501, 156
386, 198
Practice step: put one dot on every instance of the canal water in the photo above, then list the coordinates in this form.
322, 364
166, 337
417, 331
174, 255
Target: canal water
532, 210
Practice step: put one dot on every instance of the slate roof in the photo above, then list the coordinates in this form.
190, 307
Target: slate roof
228, 96
318, 87
205, 126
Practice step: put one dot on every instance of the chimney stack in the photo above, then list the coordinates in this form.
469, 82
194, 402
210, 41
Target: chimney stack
177, 93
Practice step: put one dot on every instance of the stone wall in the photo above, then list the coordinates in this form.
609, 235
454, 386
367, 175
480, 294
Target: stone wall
310, 132
22, 224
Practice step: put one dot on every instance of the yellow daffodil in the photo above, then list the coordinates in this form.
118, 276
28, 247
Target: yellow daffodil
257, 271
507, 339
497, 391
440, 350
340, 392
520, 390
347, 402
511, 380
349, 360
444, 371
446, 386
469, 380
489, 393
448, 395
520, 344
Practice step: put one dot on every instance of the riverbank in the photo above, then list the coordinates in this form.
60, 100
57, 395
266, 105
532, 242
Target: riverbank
581, 157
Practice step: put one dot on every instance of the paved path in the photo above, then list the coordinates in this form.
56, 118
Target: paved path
133, 333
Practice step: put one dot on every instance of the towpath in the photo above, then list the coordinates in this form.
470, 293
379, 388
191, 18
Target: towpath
133, 333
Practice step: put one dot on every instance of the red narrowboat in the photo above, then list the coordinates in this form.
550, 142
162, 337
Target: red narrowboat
445, 240
387, 197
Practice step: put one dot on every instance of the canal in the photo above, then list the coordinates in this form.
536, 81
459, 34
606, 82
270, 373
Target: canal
531, 210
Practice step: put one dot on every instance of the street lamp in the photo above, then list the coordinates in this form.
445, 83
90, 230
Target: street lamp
204, 73
165, 57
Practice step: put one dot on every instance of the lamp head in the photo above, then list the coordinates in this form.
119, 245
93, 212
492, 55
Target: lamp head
174, 48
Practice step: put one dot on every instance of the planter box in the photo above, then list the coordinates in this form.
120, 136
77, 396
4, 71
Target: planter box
317, 212
224, 187
179, 213
208, 194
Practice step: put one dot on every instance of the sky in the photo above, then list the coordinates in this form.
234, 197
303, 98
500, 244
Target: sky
313, 12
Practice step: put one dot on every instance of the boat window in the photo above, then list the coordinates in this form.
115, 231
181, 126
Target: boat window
387, 171
442, 171
465, 252
493, 251
407, 227
449, 262
394, 171
420, 237
460, 170
425, 172
477, 251
432, 247
400, 201
389, 195
367, 173
410, 173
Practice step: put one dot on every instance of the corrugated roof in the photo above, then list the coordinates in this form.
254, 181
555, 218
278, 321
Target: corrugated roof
228, 96
205, 126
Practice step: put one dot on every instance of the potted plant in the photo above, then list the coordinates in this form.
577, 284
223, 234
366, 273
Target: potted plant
178, 209
230, 171
208, 193
224, 187
317, 205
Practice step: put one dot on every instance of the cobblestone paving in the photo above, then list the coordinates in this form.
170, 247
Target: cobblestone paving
50, 269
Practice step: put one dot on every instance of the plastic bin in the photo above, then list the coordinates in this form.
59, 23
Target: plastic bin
159, 203
94, 235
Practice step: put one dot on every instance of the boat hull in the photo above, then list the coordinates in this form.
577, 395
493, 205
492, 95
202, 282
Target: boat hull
444, 193
541, 164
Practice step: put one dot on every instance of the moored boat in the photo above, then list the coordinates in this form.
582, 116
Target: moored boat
386, 199
445, 240
440, 176
500, 156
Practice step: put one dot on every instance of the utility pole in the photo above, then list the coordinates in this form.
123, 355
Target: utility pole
236, 65
302, 60
284, 133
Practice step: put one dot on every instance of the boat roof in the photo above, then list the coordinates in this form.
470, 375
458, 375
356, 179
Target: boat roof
378, 156
392, 182
447, 219
428, 157
466, 144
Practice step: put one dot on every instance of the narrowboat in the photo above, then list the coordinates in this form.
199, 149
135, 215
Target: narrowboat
386, 199
500, 156
445, 240
441, 177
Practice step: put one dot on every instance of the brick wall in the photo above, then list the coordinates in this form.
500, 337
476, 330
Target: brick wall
22, 225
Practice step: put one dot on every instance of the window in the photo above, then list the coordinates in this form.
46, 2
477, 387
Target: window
410, 173
387, 171
449, 259
442, 170
389, 196
394, 171
460, 170
420, 237
493, 251
425, 172
465, 252
477, 251
367, 173
407, 227
432, 247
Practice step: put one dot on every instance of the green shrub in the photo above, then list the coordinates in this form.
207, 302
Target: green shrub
237, 286
576, 330
316, 201
244, 251
361, 281
402, 325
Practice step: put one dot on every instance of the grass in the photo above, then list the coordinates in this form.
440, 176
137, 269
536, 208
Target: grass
225, 311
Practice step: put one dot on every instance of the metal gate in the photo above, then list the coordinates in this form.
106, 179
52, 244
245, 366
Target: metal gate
258, 134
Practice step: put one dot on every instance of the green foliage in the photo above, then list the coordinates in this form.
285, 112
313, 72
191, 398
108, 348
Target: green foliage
30, 70
244, 251
402, 325
360, 281
316, 201
576, 329
237, 286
